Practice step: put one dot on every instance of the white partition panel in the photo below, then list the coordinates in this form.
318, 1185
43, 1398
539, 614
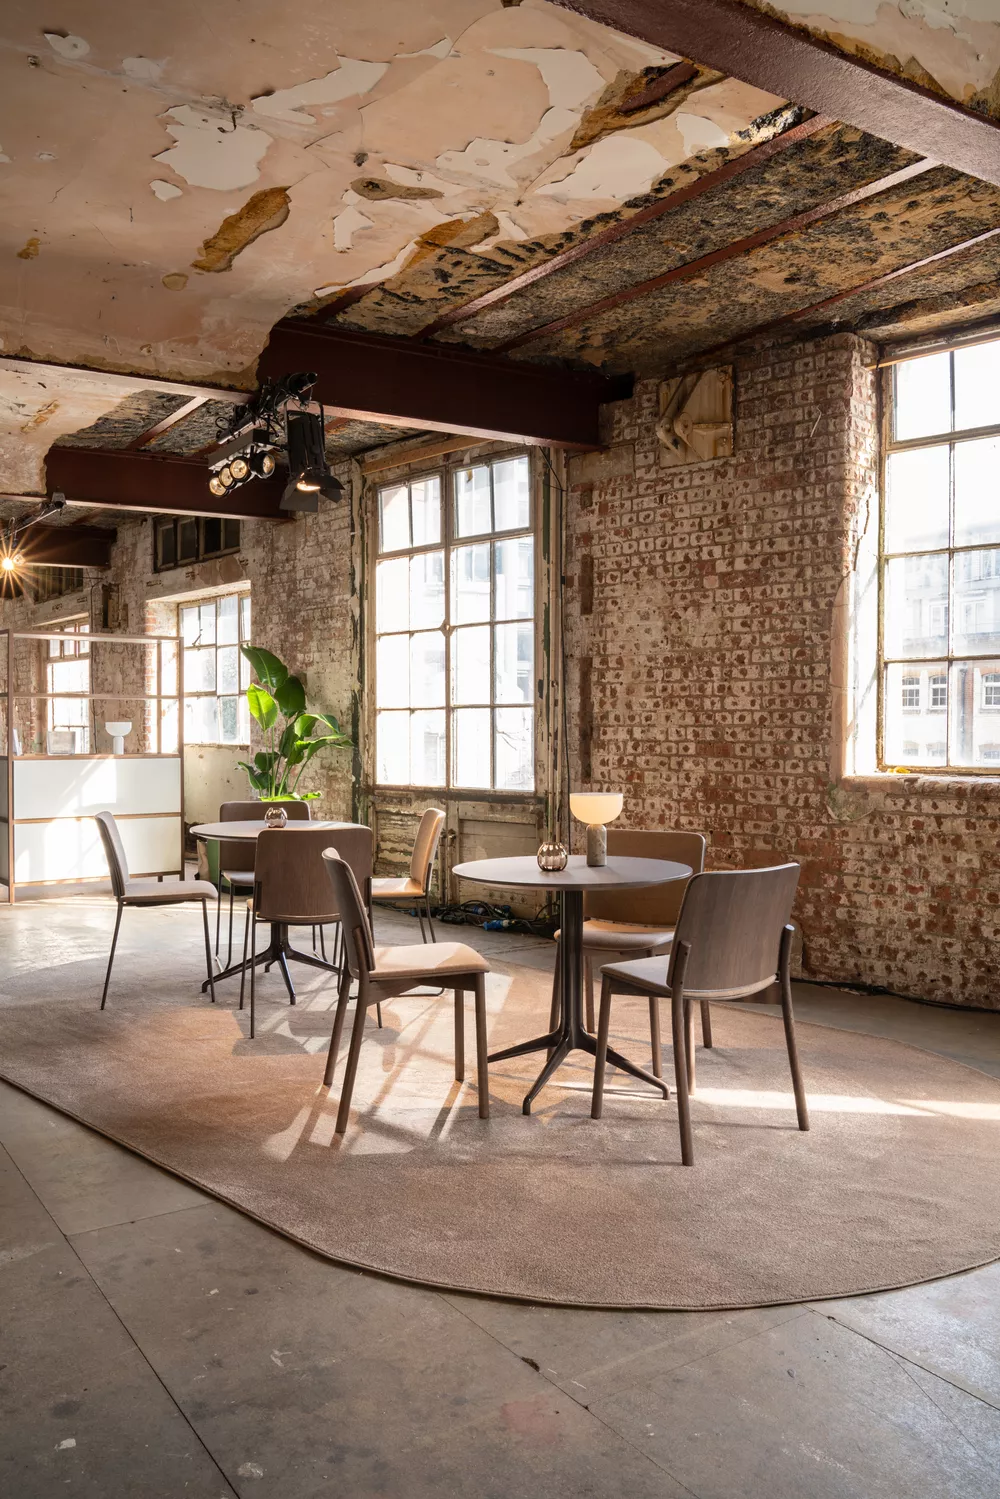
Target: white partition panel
70, 848
3, 785
80, 785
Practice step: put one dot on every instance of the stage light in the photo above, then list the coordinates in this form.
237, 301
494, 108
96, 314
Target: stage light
239, 468
11, 561
261, 463
216, 485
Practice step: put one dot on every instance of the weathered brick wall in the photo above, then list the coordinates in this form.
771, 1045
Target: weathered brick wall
703, 620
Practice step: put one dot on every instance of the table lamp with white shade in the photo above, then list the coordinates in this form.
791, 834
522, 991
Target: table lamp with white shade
596, 808
118, 728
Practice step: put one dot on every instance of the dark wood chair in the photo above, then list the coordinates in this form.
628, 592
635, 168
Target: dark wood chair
733, 940
415, 888
130, 892
291, 888
387, 972
236, 856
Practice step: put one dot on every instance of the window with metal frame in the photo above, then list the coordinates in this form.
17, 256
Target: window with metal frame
455, 629
939, 562
68, 672
216, 675
181, 540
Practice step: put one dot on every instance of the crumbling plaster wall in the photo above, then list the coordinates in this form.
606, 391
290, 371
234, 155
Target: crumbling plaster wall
704, 606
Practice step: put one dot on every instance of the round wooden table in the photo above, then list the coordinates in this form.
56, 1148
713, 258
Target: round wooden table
279, 950
571, 882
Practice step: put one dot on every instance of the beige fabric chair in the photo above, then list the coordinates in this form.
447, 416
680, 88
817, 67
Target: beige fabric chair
415, 888
387, 972
236, 855
291, 888
732, 941
634, 923
129, 892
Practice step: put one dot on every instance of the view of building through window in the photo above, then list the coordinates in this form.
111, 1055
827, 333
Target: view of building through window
68, 671
455, 630
940, 562
216, 676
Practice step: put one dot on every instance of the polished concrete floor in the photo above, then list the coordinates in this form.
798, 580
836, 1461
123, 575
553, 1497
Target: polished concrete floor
156, 1344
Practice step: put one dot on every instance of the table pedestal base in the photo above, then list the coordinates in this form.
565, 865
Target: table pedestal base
570, 1034
279, 950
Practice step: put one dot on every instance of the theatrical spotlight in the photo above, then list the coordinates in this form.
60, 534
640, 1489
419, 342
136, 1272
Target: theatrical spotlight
309, 475
280, 415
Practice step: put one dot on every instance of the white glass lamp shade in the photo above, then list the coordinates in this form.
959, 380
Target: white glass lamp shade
118, 728
596, 807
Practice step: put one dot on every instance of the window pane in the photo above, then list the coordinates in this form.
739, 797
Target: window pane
243, 719
427, 590
515, 572
228, 720
916, 606
168, 728
975, 715
470, 584
427, 748
168, 666
472, 502
425, 507
201, 720
190, 625
470, 747
427, 671
977, 386
245, 673
199, 671
515, 749
916, 517
916, 725
207, 623
394, 518
470, 668
228, 669
187, 541
229, 623
977, 620
392, 671
392, 748
511, 495
922, 405
977, 491
392, 595
245, 617
515, 664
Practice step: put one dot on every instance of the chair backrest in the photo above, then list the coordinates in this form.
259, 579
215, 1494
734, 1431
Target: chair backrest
353, 917
425, 846
114, 851
290, 879
733, 921
238, 854
655, 905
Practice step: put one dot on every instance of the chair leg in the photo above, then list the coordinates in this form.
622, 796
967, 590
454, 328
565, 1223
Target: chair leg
111, 956
208, 950
482, 1061
229, 951
689, 1043
601, 1059
430, 923
680, 1075
655, 1043
243, 972
322, 944
588, 991
357, 1032
798, 1086
378, 1015
253, 973
218, 917
338, 1028
459, 1035
706, 1024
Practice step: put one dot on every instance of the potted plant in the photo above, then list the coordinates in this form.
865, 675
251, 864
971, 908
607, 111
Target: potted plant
275, 772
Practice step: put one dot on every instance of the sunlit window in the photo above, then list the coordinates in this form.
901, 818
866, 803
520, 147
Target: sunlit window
940, 561
68, 675
215, 674
455, 630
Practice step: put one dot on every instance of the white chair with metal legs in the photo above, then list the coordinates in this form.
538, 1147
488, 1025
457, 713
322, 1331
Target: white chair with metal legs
415, 888
129, 892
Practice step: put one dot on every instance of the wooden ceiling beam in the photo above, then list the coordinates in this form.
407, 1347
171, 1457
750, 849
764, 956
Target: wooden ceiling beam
121, 480
773, 55
187, 409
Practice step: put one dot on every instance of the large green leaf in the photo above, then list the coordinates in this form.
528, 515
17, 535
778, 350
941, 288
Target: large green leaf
262, 706
267, 668
265, 760
291, 697
258, 779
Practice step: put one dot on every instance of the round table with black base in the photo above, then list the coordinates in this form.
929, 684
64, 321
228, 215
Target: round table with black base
279, 950
572, 882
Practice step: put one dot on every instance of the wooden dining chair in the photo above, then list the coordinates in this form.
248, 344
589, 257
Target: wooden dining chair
236, 856
415, 888
291, 888
387, 972
130, 892
732, 941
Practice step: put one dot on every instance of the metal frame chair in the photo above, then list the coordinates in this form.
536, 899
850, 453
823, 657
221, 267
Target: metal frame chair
416, 887
733, 940
129, 892
236, 857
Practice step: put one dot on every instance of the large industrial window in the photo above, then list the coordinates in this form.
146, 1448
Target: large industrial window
215, 673
940, 562
68, 672
180, 540
455, 630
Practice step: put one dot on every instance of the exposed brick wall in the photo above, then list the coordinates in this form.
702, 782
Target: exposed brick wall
702, 619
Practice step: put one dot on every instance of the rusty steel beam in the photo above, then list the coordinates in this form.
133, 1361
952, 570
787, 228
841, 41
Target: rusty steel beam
772, 55
66, 546
692, 268
755, 157
122, 480
406, 384
168, 421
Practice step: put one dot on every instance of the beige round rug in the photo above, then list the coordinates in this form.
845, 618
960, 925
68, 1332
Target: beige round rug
896, 1182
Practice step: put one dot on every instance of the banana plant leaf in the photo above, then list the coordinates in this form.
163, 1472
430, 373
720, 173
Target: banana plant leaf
268, 669
262, 706
291, 697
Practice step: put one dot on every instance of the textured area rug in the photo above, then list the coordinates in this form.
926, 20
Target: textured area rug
896, 1182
